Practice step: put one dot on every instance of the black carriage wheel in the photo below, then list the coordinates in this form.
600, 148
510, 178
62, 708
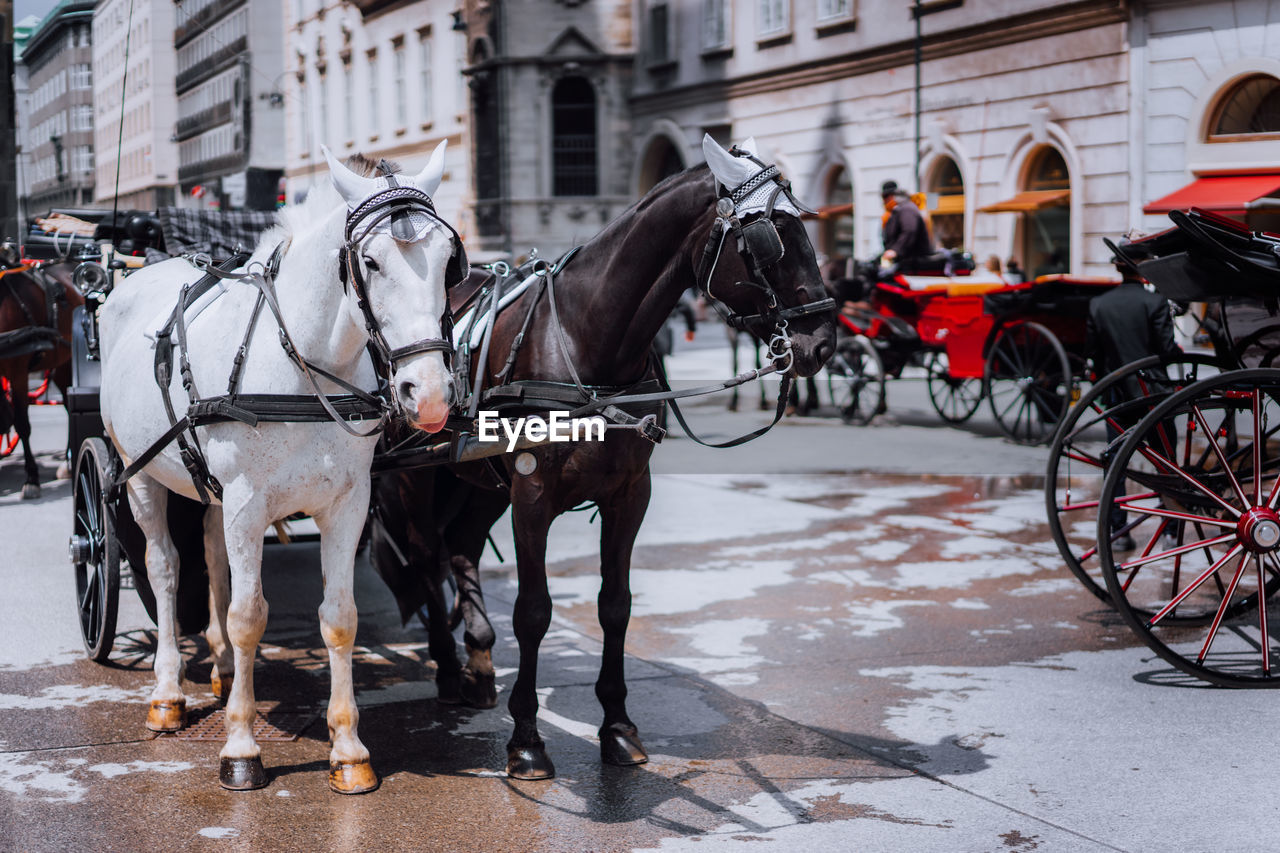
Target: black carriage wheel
855, 380
955, 400
95, 552
1201, 472
1028, 382
1076, 467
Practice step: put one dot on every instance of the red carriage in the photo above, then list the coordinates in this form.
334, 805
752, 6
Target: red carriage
1021, 346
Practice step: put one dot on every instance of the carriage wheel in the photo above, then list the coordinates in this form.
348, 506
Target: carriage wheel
1028, 382
95, 553
855, 379
955, 400
1079, 448
1200, 475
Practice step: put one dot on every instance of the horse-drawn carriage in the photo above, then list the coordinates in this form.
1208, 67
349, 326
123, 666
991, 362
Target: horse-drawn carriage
1020, 346
365, 270
1163, 484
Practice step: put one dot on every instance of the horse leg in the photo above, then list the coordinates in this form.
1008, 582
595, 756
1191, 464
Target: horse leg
465, 537
215, 558
149, 502
350, 771
244, 525
620, 519
479, 689
22, 426
526, 753
440, 643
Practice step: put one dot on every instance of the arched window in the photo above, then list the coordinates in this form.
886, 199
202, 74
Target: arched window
1046, 229
661, 160
835, 236
946, 192
1251, 107
573, 137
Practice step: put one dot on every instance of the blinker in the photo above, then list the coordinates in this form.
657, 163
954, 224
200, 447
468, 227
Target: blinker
760, 239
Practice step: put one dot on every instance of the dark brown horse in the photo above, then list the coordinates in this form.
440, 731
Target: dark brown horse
611, 300
35, 335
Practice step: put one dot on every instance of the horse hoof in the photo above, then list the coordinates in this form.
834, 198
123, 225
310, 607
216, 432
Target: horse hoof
479, 689
167, 716
620, 745
30, 491
221, 687
345, 778
530, 763
448, 689
242, 774
63, 472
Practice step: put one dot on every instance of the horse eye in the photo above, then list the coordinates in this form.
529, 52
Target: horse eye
370, 264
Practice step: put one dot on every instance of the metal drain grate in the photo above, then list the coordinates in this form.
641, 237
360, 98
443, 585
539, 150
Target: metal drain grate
272, 726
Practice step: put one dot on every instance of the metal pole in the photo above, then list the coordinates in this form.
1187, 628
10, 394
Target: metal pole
919, 17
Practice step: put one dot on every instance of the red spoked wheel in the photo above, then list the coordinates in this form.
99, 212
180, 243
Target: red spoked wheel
1200, 477
955, 400
1078, 454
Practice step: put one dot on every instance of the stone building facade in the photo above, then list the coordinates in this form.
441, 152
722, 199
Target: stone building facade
382, 79
230, 119
59, 122
143, 156
551, 114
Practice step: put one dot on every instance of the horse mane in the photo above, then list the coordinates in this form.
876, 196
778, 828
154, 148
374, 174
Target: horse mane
320, 202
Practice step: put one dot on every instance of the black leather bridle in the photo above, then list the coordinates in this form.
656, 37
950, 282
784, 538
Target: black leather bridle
760, 245
396, 203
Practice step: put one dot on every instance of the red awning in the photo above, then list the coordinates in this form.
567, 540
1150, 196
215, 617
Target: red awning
833, 211
1222, 193
1029, 201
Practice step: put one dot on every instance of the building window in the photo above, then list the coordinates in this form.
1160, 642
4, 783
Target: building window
773, 18
402, 95
1251, 108
834, 10
659, 34
835, 235
573, 144
375, 118
81, 76
1046, 231
82, 159
946, 204
348, 102
424, 77
715, 24
82, 117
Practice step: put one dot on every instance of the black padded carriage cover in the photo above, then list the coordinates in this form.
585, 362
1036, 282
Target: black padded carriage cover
1057, 298
216, 233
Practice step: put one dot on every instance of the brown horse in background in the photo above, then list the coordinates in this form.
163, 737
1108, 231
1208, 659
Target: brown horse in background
35, 335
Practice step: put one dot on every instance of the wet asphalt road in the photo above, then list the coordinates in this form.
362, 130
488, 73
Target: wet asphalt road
846, 639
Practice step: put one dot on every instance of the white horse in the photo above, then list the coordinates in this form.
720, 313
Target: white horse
273, 470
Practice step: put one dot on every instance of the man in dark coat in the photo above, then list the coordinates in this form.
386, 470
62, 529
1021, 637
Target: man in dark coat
906, 234
1128, 323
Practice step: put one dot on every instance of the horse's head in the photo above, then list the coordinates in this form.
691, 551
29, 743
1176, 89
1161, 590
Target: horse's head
399, 257
759, 263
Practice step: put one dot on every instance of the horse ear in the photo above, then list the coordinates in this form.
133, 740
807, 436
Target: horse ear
749, 145
428, 180
729, 170
353, 188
